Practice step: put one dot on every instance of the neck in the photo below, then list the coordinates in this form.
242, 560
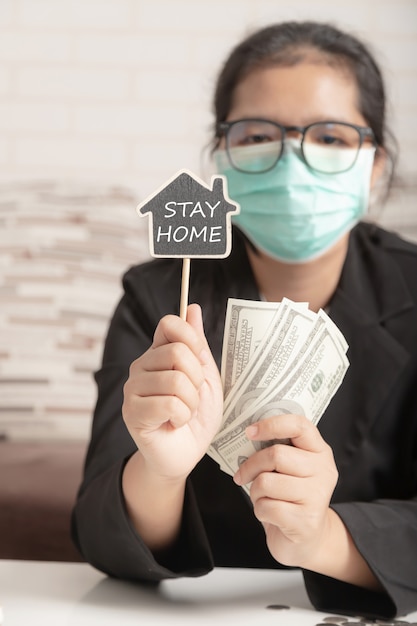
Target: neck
314, 282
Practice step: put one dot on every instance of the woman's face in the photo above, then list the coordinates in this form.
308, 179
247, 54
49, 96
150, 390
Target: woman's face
311, 91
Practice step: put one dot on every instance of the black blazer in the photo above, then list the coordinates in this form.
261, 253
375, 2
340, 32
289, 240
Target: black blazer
371, 424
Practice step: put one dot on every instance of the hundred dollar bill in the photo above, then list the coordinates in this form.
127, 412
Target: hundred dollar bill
245, 325
307, 390
281, 310
286, 348
256, 355
289, 336
315, 379
234, 359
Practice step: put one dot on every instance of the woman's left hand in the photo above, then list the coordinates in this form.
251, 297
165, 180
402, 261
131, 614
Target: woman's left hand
291, 487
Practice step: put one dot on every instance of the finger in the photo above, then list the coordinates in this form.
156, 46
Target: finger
278, 458
175, 356
275, 486
280, 513
302, 433
149, 413
173, 329
166, 383
195, 319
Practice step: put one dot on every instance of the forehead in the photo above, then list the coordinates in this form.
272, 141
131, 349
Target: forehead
308, 91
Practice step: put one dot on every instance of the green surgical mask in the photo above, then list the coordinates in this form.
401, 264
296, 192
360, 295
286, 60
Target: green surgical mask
293, 213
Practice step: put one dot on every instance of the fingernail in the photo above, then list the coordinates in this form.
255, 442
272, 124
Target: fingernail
237, 478
252, 430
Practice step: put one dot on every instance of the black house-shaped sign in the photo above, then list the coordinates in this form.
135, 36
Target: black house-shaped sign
189, 219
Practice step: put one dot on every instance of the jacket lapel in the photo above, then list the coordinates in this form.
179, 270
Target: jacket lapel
366, 306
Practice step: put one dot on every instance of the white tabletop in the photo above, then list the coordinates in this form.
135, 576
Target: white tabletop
74, 594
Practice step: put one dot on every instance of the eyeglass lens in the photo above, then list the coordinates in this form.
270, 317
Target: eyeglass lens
256, 146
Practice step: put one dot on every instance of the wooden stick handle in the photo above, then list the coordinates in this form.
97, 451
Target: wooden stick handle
185, 283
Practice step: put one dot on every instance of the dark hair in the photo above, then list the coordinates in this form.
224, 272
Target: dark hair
287, 44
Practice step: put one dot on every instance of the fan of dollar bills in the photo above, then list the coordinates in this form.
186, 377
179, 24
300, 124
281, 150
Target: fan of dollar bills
278, 357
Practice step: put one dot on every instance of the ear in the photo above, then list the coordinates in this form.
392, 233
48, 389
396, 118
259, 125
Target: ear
379, 167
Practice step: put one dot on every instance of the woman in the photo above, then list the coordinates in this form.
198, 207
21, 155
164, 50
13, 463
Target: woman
300, 136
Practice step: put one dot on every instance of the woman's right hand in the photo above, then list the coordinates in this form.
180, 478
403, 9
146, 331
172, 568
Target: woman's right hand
173, 398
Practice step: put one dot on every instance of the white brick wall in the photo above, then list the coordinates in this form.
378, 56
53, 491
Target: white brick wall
78, 15
98, 72
72, 84
98, 88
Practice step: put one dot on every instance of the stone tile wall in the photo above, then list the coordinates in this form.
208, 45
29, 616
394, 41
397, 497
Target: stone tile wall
63, 249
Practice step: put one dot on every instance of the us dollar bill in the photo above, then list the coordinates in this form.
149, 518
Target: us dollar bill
289, 335
270, 362
245, 325
306, 390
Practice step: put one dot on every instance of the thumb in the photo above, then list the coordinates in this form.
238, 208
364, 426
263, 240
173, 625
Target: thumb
195, 319
214, 389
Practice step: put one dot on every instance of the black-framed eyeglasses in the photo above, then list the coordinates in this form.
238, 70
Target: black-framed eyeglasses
254, 146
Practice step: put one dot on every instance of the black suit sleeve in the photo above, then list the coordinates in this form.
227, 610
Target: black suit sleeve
100, 525
385, 533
